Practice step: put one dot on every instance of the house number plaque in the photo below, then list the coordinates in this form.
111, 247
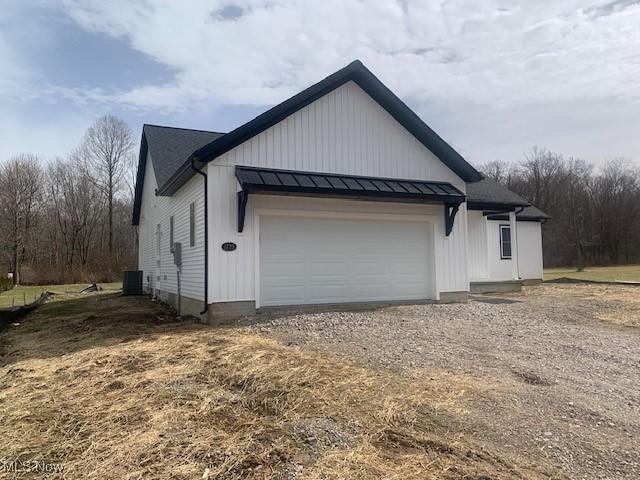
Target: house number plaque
229, 246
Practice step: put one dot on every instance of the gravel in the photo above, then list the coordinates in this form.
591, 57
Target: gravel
552, 374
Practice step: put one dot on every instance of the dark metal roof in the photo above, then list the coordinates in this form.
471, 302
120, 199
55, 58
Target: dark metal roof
356, 72
266, 180
487, 194
169, 148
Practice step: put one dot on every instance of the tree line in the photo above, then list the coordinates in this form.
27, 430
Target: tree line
595, 211
68, 219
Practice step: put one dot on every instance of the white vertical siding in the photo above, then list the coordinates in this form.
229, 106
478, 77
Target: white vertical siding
232, 274
530, 250
499, 269
477, 240
343, 132
156, 210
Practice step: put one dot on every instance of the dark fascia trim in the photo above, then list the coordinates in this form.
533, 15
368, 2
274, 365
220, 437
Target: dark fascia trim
142, 166
503, 218
357, 72
494, 207
180, 177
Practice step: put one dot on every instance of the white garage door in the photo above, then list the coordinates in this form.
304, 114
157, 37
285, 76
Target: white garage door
321, 260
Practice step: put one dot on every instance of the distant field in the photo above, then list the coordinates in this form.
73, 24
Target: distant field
624, 273
28, 293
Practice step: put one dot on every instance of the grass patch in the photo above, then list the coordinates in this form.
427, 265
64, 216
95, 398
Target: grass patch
628, 273
116, 387
25, 294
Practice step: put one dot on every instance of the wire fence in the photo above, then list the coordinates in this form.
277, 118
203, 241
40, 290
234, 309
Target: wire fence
19, 298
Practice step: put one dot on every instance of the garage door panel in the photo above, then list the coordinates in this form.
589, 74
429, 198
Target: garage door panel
322, 260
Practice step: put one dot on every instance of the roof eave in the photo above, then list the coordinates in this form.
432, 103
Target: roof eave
494, 206
357, 72
140, 173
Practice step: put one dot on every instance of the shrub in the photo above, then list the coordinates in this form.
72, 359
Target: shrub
6, 284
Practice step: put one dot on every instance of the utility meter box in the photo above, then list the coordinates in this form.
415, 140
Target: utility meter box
177, 254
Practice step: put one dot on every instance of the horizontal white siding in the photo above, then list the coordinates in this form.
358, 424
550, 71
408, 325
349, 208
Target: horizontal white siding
530, 250
156, 210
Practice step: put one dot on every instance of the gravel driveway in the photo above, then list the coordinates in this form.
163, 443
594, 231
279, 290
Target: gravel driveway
552, 374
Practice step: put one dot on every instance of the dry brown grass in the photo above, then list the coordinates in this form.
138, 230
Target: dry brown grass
617, 304
115, 388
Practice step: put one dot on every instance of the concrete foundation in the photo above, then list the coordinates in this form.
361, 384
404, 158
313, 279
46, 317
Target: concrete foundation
188, 306
531, 281
504, 286
454, 297
225, 313
222, 313
340, 307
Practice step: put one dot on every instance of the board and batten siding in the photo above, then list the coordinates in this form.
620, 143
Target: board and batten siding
344, 132
158, 210
477, 239
530, 264
499, 268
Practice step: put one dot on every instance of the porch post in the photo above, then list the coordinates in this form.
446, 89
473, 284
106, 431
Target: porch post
515, 270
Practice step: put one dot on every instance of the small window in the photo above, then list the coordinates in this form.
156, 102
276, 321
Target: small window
171, 245
505, 242
192, 224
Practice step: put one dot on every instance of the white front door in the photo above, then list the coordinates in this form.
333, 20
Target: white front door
328, 260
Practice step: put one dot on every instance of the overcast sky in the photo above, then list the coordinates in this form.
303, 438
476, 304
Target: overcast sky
494, 78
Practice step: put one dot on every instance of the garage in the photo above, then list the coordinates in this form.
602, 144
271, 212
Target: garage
306, 261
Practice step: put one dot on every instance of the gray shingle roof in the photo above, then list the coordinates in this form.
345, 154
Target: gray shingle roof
491, 192
170, 147
533, 213
488, 192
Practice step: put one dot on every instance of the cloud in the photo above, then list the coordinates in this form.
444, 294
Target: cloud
493, 77
258, 52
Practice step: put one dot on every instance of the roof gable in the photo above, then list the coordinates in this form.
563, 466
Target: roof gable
355, 72
169, 147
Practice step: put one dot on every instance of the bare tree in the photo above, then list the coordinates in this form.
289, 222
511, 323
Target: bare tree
77, 209
20, 185
104, 155
499, 171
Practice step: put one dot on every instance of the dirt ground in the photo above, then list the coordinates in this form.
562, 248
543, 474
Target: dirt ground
552, 374
112, 387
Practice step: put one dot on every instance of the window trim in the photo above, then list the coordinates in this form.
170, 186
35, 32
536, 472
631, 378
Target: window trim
501, 227
192, 224
171, 235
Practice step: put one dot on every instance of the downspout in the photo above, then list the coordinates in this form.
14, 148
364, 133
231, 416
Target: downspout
517, 211
206, 237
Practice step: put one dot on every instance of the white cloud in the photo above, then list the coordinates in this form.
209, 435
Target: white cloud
494, 77
490, 52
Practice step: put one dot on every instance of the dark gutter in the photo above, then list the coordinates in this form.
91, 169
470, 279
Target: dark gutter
494, 207
206, 236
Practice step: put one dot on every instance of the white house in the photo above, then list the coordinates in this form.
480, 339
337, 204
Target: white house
339, 195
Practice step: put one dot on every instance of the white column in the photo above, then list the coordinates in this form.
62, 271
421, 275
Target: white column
515, 274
